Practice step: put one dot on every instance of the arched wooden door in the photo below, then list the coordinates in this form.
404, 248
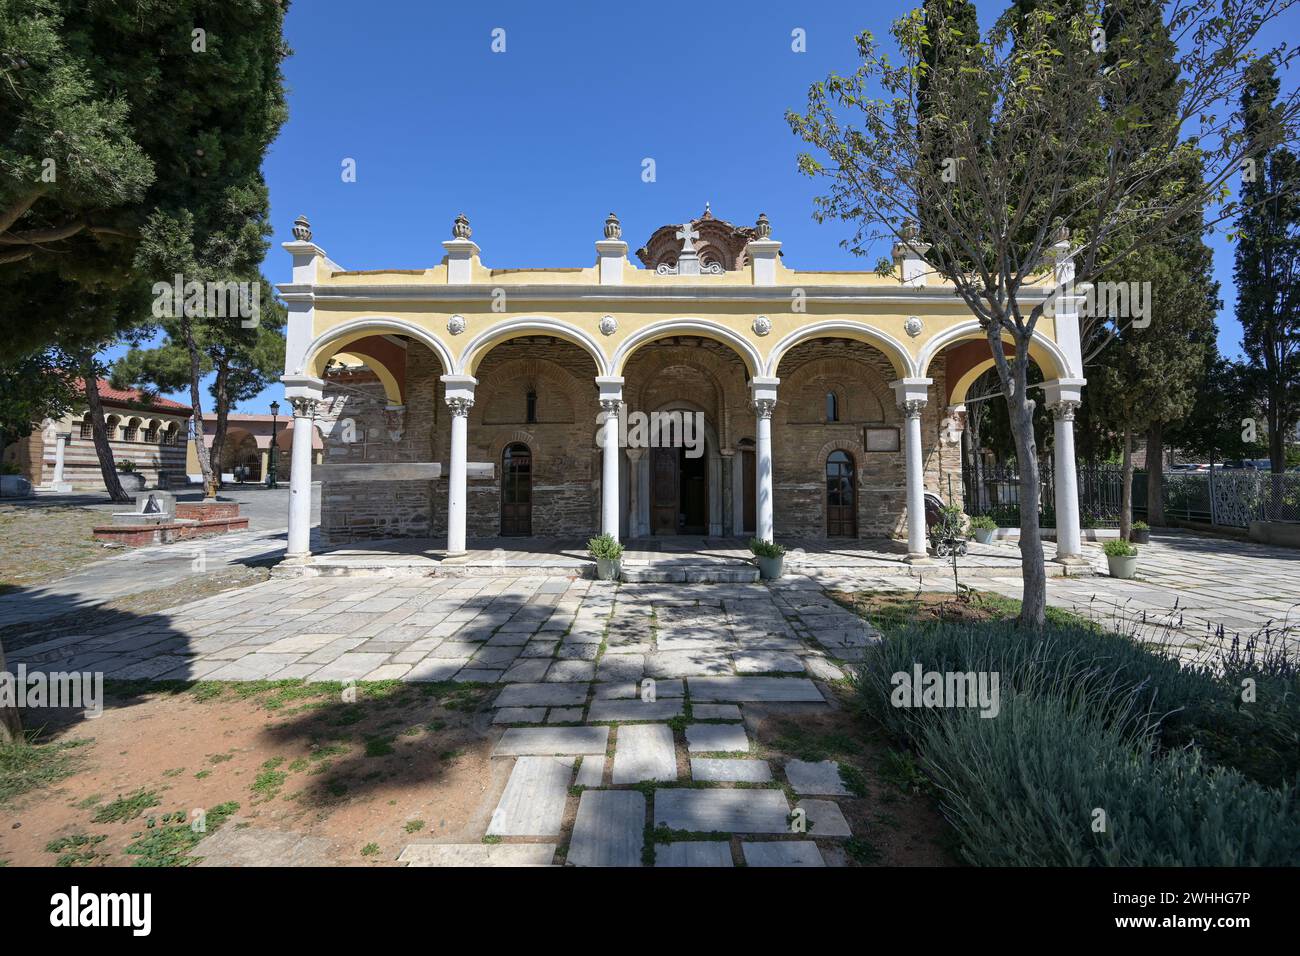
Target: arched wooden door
516, 491
841, 496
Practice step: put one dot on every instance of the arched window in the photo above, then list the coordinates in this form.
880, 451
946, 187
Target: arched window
832, 407
841, 499
530, 414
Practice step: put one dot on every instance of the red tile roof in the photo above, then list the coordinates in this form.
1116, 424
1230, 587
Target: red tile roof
133, 397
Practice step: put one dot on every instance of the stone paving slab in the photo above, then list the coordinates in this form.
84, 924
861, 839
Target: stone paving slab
725, 811
715, 711
609, 829
782, 853
690, 853
644, 752
724, 770
820, 778
592, 771
825, 818
716, 738
541, 695
767, 662
634, 710
627, 691
546, 741
519, 715
533, 801
754, 689
478, 854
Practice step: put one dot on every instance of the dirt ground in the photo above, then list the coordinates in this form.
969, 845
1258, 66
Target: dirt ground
363, 779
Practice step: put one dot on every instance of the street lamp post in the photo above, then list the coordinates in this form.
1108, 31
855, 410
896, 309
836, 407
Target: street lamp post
271, 459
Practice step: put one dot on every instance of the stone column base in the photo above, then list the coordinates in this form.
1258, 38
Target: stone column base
1071, 560
919, 559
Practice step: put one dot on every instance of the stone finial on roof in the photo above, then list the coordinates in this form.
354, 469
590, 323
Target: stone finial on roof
708, 213
460, 228
302, 229
763, 228
613, 228
909, 231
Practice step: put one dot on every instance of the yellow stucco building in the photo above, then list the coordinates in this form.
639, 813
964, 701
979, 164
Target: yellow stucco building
465, 400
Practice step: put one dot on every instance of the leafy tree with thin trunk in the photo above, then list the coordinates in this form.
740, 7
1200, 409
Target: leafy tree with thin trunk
1023, 108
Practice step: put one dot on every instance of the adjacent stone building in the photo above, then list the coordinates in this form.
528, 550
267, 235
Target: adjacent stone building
464, 402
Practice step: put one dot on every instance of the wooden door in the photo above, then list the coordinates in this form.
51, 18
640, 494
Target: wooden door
841, 497
665, 490
516, 491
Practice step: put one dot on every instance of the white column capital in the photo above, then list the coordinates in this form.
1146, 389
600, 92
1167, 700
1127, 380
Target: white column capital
762, 388
459, 387
610, 388
911, 394
1064, 390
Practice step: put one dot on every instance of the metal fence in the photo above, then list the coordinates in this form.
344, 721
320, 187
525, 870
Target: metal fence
1220, 496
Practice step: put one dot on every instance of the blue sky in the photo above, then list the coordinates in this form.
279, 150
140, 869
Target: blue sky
539, 143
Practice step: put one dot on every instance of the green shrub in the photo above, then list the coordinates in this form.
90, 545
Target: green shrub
1140, 526
1027, 788
983, 522
125, 466
1118, 548
605, 546
765, 549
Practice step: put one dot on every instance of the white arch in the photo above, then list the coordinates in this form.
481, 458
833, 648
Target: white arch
532, 323
958, 332
748, 354
378, 325
892, 348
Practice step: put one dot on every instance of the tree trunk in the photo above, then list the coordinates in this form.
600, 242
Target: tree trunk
98, 430
1020, 408
1156, 475
200, 447
11, 725
223, 416
1126, 489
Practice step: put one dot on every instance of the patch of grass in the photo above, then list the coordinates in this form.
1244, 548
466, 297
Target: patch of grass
853, 779
75, 850
807, 743
491, 840
170, 845
370, 849
862, 851
299, 765
220, 758
413, 826
30, 766
174, 772
203, 775
126, 808
379, 746
900, 768
268, 783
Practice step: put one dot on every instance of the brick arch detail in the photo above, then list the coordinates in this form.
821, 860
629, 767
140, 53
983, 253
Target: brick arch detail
531, 371
502, 439
844, 375
714, 367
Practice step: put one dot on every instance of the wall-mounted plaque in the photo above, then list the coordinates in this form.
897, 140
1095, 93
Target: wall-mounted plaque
880, 439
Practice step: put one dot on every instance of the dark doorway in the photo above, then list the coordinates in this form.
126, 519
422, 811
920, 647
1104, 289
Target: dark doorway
841, 510
748, 491
516, 491
679, 493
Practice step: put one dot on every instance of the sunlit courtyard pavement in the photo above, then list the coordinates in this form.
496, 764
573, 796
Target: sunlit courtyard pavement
615, 701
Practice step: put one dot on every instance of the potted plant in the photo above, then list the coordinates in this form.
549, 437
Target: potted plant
1122, 558
983, 527
1140, 533
130, 479
608, 554
770, 556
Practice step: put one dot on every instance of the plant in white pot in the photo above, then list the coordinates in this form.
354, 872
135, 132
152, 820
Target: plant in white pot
608, 554
982, 526
1122, 558
130, 479
771, 558
1140, 533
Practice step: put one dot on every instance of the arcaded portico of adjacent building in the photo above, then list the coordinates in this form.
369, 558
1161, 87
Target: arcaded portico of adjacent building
464, 401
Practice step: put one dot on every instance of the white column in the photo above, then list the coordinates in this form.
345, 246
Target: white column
763, 394
1064, 395
304, 414
611, 399
912, 395
459, 391
60, 440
